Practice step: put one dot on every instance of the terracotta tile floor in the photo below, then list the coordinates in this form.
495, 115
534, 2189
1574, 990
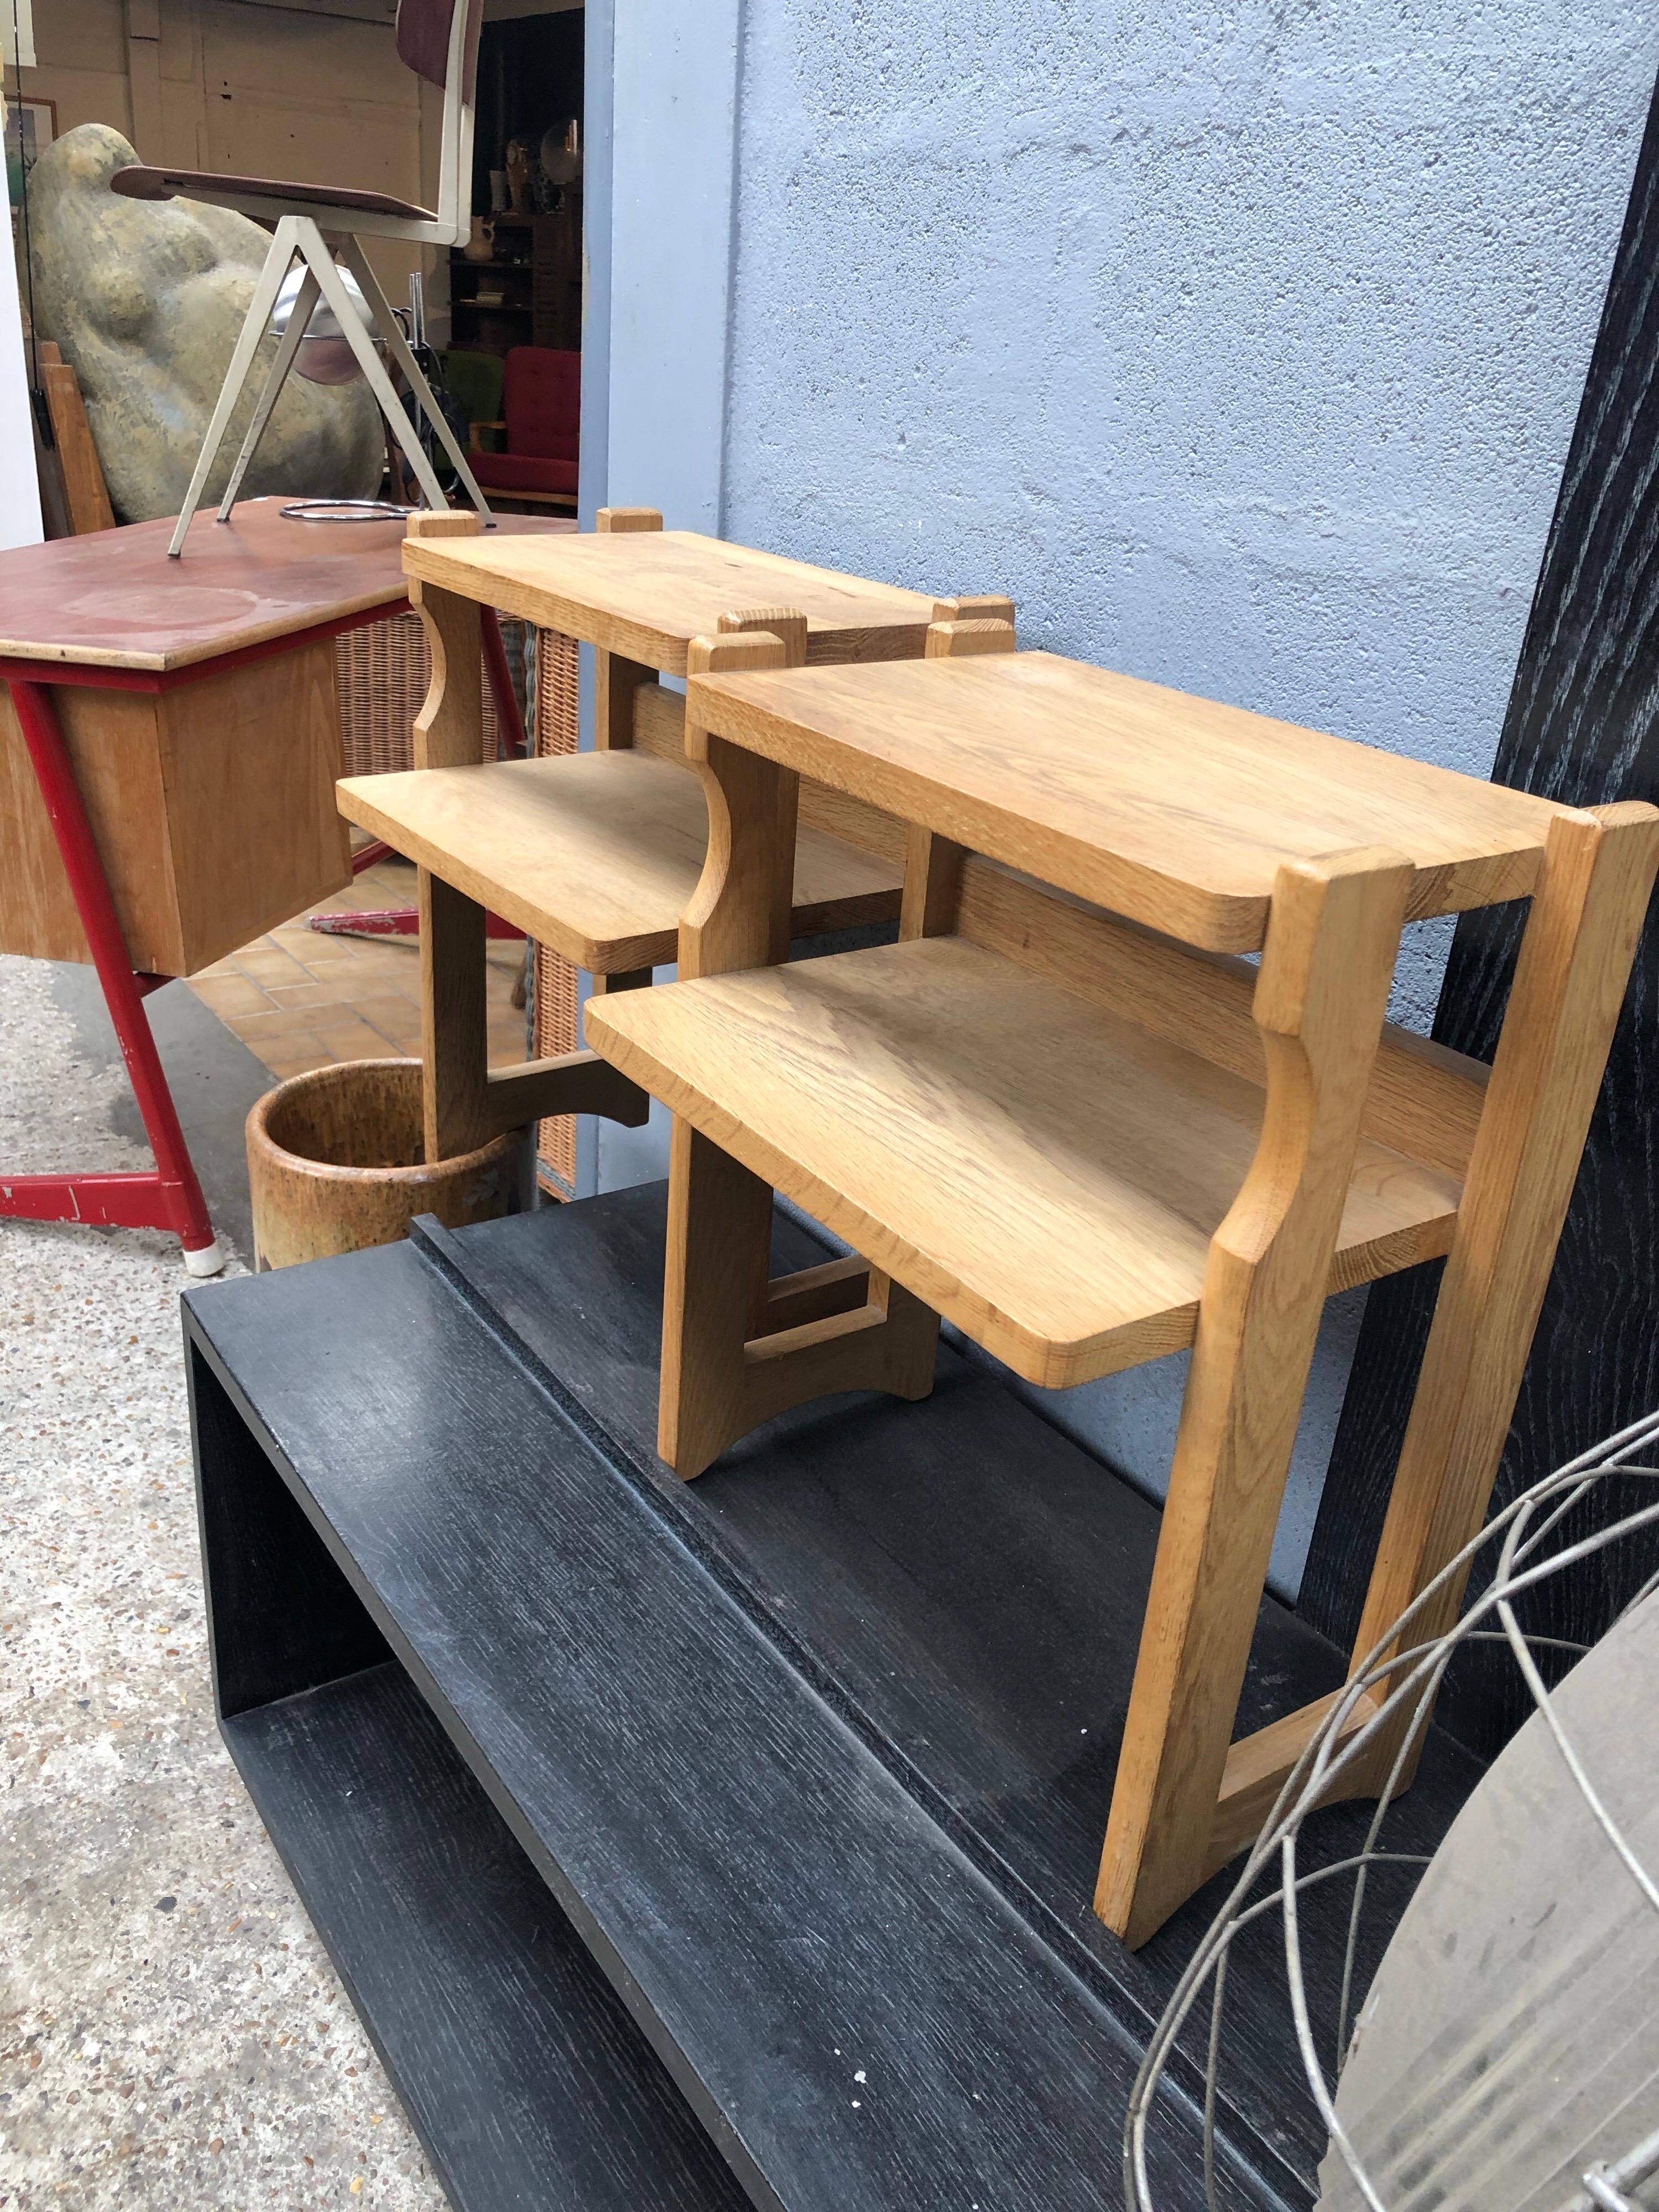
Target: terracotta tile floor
299, 1000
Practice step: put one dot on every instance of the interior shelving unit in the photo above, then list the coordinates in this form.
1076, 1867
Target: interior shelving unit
537, 271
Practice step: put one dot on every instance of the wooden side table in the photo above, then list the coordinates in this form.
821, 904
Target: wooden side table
1065, 1113
166, 762
597, 854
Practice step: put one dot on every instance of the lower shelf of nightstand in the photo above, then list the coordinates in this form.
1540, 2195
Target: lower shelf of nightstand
596, 855
1041, 1172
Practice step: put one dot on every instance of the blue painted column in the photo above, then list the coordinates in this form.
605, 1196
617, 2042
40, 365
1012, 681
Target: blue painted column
662, 106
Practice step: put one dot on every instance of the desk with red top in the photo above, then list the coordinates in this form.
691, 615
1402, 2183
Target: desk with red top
168, 762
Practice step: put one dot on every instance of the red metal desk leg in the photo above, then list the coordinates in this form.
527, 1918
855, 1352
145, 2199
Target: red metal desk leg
168, 1195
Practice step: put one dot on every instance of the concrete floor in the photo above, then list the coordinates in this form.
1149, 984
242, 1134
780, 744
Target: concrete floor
171, 2031
299, 998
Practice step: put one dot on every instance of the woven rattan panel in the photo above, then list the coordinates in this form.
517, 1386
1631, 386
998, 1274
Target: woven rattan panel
383, 671
556, 979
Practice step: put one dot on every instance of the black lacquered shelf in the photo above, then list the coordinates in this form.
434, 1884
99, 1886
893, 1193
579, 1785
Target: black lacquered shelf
740, 1833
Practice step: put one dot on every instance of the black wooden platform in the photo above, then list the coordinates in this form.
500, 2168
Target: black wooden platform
680, 1841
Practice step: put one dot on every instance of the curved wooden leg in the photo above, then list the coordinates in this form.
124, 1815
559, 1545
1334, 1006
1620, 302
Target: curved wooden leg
1331, 941
738, 1349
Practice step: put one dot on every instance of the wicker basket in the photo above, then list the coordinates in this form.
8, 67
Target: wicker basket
382, 670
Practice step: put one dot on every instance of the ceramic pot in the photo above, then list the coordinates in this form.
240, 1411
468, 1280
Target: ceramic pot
335, 1165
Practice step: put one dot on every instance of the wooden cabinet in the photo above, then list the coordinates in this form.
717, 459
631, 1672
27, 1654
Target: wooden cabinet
212, 807
530, 292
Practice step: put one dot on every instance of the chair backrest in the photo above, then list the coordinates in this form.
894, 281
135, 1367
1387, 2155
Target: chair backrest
541, 402
439, 40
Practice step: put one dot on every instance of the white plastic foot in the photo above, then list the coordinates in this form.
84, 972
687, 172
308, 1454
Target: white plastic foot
206, 1260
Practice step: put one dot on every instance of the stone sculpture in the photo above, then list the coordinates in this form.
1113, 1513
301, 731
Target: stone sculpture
146, 299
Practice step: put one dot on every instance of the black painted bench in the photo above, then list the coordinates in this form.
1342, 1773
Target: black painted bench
676, 1841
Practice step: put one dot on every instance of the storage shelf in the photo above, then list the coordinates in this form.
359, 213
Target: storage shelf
481, 1998
812, 1752
773, 1908
1043, 1173
596, 855
1174, 810
645, 594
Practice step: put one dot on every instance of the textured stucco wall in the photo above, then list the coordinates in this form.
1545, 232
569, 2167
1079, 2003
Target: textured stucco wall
1243, 346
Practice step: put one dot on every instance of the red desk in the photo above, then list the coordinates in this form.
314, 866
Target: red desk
173, 741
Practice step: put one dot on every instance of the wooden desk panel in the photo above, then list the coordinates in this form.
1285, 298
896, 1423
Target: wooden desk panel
211, 806
209, 790
114, 601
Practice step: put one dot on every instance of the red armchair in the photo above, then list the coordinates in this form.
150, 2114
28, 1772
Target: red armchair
541, 401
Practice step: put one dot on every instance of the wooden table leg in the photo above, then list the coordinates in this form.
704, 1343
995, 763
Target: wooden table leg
737, 1347
1568, 986
615, 679
1333, 938
464, 1101
454, 1020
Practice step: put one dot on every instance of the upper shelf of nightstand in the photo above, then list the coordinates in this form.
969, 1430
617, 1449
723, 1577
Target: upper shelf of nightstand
645, 594
1168, 808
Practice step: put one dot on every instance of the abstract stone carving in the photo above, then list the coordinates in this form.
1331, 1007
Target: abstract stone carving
146, 299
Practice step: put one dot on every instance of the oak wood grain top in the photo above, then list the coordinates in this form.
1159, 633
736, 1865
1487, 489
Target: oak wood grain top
1044, 1174
645, 594
114, 601
596, 855
1170, 809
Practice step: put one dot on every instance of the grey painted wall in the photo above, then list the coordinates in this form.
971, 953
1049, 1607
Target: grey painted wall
672, 126
1243, 346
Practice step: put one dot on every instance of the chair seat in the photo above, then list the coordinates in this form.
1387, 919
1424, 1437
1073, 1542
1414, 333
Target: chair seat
524, 472
140, 182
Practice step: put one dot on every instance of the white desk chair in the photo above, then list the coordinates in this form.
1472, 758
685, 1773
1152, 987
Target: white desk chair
439, 40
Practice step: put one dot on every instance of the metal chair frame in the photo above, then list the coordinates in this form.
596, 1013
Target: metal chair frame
323, 240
